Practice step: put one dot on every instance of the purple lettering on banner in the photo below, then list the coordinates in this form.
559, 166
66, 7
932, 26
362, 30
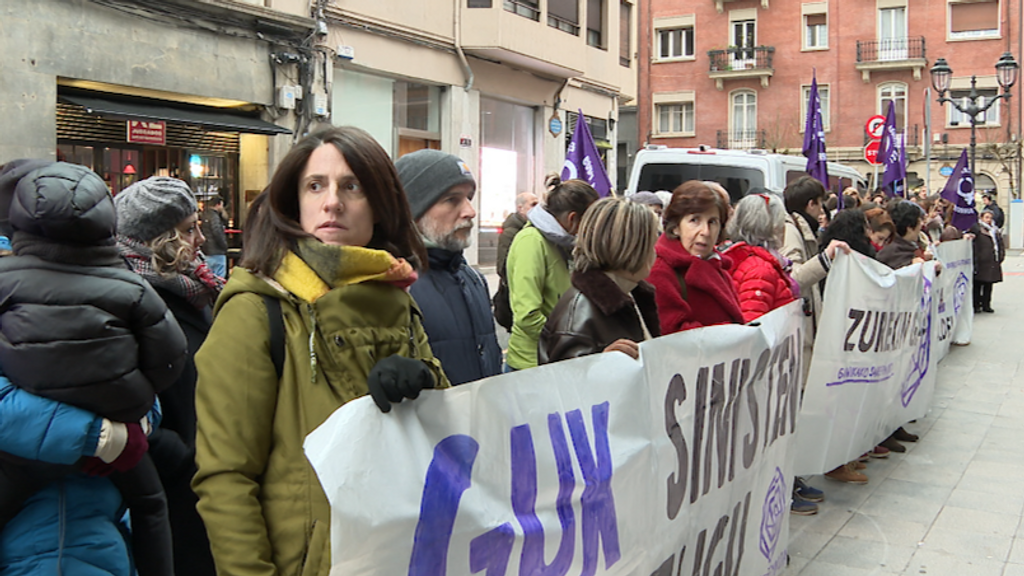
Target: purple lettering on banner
490, 551
598, 518
447, 478
524, 500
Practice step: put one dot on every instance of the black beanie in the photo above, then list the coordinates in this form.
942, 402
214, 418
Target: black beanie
428, 174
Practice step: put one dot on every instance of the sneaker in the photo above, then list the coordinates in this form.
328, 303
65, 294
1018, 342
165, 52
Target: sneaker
802, 507
846, 473
893, 445
879, 452
808, 493
864, 457
904, 436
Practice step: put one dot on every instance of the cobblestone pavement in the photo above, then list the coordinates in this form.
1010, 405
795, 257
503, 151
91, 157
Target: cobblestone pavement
952, 504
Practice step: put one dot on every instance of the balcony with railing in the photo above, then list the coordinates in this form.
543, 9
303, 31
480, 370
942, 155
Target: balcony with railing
891, 54
741, 139
741, 62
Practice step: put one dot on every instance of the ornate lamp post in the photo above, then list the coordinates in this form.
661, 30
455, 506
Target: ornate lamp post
1006, 74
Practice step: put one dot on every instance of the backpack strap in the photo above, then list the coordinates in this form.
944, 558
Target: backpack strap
682, 284
276, 321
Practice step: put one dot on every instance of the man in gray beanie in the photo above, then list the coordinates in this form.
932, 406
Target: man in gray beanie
453, 296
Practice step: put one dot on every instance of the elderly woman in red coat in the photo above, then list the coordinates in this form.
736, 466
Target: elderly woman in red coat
758, 269
691, 280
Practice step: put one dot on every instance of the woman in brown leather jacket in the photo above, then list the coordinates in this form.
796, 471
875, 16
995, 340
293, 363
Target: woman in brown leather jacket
609, 307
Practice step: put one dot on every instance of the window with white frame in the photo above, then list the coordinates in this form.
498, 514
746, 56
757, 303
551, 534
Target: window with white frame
823, 96
977, 19
675, 118
815, 31
675, 42
895, 92
743, 121
990, 117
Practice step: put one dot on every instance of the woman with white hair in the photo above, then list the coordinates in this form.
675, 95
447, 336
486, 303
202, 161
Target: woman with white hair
759, 271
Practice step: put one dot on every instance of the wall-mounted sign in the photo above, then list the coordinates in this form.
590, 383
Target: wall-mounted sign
946, 171
555, 125
465, 141
143, 132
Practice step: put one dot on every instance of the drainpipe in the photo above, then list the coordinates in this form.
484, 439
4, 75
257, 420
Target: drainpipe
458, 47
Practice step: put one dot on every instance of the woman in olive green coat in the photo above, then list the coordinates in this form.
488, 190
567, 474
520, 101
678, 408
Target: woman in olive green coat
327, 242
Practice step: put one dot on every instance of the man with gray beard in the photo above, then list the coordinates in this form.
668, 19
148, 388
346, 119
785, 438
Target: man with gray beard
452, 296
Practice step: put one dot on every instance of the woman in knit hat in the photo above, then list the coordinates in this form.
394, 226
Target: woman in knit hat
316, 314
158, 236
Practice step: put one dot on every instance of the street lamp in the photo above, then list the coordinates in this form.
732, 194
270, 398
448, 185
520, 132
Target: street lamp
1006, 74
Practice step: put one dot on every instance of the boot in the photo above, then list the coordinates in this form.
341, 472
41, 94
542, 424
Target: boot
904, 436
893, 445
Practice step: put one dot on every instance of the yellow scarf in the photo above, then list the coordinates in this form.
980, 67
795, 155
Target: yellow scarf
348, 265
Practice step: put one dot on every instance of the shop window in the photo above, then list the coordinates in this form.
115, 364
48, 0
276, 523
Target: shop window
417, 116
507, 167
974, 19
675, 43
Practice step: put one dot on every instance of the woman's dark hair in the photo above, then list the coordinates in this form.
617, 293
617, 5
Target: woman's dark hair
569, 196
851, 227
693, 197
801, 191
272, 226
905, 215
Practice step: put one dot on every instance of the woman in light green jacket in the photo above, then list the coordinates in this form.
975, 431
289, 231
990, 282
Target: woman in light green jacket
327, 244
538, 266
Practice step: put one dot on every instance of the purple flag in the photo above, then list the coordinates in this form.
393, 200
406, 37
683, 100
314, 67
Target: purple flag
814, 137
583, 161
891, 152
959, 191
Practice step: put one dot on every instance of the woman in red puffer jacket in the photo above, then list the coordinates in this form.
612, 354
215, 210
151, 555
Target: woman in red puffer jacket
758, 270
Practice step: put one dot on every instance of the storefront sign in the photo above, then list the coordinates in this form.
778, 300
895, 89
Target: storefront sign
555, 125
141, 132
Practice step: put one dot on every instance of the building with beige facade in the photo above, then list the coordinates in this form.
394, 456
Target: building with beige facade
496, 82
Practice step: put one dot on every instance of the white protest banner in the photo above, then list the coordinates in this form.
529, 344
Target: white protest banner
678, 463
872, 369
954, 295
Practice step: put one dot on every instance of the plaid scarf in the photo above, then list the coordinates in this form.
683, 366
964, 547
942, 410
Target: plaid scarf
198, 284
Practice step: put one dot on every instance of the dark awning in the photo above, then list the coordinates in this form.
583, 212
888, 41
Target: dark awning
207, 118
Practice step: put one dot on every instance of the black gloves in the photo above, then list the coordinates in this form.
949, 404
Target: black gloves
397, 377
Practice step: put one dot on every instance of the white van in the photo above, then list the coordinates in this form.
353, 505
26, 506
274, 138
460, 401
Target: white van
661, 168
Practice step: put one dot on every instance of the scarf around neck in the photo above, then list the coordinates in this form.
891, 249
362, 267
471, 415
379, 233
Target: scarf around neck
198, 285
314, 268
990, 231
551, 230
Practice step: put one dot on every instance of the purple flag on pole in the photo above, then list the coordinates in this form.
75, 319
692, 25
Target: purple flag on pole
959, 191
892, 153
583, 161
814, 137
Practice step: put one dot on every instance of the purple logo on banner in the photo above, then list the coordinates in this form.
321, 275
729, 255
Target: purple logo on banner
583, 161
776, 505
959, 192
922, 356
814, 138
892, 153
